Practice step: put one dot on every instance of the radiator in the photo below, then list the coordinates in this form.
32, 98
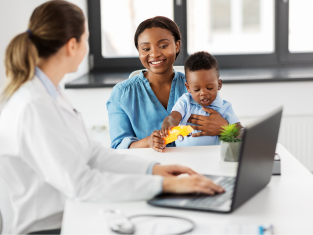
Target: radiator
296, 135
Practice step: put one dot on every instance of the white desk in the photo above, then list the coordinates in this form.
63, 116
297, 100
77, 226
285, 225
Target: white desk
286, 202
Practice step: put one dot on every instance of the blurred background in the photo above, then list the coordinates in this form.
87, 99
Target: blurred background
264, 49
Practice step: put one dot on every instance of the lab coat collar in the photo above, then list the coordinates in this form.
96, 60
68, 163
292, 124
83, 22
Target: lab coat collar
217, 103
46, 82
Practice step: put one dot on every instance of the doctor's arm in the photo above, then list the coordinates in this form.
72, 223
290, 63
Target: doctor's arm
59, 154
110, 160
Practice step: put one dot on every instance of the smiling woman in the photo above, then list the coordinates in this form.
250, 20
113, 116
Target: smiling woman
138, 106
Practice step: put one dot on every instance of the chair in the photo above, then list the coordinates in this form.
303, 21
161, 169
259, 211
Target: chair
136, 72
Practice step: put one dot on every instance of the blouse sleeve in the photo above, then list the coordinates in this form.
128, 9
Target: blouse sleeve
121, 130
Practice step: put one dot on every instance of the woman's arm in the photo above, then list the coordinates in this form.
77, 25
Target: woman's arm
154, 141
241, 129
121, 131
209, 125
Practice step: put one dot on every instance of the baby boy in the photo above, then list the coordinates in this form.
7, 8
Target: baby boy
203, 84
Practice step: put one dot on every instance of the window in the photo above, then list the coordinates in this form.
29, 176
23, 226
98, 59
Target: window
217, 25
120, 43
300, 35
239, 33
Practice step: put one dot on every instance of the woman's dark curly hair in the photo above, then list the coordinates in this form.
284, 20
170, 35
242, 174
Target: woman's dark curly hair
158, 22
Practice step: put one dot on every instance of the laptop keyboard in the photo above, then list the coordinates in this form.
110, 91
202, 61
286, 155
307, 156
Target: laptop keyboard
205, 201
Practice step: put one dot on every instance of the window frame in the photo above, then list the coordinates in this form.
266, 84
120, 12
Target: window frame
279, 58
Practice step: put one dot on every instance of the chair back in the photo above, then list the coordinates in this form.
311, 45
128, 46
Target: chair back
176, 68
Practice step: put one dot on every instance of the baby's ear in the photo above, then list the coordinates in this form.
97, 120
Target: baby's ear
220, 83
187, 86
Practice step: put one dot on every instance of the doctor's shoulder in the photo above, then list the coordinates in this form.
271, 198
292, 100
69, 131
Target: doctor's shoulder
26, 93
28, 96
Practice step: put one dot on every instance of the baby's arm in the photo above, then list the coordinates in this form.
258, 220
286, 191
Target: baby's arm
169, 122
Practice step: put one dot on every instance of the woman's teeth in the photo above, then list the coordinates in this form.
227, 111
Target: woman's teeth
156, 62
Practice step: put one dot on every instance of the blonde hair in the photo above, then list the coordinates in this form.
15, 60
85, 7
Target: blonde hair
51, 26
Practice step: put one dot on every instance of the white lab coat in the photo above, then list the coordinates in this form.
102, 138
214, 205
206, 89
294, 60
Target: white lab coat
46, 156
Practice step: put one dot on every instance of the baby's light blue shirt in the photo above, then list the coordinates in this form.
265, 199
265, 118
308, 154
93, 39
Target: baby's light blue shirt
186, 106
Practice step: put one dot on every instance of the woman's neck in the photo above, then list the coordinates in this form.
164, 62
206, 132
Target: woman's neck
53, 69
160, 79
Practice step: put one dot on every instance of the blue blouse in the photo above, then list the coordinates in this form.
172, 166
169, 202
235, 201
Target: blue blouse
134, 110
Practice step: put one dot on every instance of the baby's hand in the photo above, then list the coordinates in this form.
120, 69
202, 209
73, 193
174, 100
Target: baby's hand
166, 127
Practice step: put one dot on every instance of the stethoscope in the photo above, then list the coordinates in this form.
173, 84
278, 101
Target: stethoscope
121, 224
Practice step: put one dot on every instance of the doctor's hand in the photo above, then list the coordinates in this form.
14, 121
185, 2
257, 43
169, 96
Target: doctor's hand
209, 125
156, 142
172, 170
191, 184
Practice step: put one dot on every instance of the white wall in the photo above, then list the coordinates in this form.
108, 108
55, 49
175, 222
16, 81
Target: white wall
14, 17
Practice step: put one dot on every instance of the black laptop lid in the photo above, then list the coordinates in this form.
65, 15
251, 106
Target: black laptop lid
256, 157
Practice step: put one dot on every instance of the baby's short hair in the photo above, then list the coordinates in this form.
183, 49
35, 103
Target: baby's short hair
201, 60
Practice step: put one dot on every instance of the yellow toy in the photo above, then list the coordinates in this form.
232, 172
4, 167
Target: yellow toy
178, 133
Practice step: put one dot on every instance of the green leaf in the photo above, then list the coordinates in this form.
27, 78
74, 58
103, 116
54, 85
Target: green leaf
230, 133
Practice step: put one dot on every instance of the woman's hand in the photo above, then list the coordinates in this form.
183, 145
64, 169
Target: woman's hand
192, 184
156, 142
209, 125
172, 170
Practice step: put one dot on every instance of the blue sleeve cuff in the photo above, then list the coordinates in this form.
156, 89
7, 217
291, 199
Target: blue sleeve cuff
126, 142
150, 168
149, 172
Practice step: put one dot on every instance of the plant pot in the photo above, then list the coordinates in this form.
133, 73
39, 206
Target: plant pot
230, 151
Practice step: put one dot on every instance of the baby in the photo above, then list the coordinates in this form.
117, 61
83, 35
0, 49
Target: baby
202, 83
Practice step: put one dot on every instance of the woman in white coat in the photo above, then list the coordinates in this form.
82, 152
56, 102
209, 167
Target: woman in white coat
46, 155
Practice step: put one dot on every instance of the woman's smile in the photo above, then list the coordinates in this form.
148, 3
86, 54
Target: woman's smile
156, 63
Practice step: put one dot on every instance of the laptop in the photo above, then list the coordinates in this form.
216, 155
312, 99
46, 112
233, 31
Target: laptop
253, 174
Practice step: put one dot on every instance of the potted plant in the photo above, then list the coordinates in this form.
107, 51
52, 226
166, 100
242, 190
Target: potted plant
230, 143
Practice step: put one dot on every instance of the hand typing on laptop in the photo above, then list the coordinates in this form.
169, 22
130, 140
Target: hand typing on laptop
195, 183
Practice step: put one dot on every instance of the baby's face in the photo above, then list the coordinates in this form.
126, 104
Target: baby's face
203, 86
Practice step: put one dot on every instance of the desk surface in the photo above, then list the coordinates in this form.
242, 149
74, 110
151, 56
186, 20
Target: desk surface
286, 202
